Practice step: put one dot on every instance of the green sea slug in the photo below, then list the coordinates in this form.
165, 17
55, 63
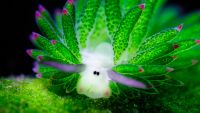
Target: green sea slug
104, 48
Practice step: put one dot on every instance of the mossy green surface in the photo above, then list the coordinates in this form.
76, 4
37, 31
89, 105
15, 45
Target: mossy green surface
32, 96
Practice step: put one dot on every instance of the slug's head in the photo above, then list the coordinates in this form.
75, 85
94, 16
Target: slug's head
94, 83
94, 80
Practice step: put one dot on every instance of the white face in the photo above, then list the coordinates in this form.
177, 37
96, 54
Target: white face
94, 81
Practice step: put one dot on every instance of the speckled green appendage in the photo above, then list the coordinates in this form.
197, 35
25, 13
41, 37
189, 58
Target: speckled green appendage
121, 38
141, 70
161, 37
66, 53
141, 27
126, 69
49, 20
71, 11
143, 57
87, 20
113, 15
46, 27
47, 46
70, 39
99, 33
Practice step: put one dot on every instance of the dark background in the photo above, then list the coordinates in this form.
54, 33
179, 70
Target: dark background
18, 22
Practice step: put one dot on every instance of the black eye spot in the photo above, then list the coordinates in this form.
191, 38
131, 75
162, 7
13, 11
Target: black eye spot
94, 72
98, 73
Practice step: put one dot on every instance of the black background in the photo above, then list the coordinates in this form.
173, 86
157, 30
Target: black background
18, 22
